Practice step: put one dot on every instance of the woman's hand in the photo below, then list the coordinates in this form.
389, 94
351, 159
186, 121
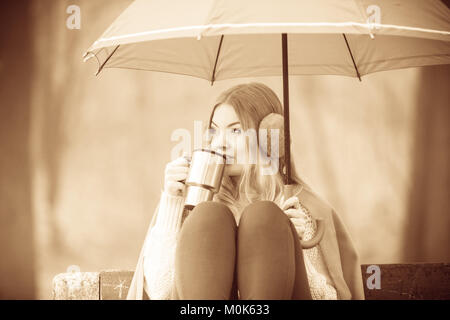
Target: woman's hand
175, 175
294, 211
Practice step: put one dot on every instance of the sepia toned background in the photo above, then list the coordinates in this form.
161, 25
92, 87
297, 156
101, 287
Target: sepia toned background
82, 157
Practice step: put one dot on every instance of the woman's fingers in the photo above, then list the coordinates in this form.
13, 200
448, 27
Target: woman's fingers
177, 170
181, 161
298, 221
177, 176
177, 173
174, 187
295, 213
300, 231
291, 202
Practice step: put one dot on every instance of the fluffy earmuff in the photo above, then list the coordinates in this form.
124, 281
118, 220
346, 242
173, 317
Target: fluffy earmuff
273, 121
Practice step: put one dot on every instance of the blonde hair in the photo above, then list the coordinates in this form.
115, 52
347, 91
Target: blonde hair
252, 102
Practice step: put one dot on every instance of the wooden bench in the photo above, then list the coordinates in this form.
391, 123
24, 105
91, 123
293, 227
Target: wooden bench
396, 282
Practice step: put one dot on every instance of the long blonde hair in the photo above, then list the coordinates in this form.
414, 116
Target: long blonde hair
252, 102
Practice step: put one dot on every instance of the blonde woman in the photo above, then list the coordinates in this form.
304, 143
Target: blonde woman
245, 244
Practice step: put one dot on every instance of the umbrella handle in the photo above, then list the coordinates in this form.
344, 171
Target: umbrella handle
307, 244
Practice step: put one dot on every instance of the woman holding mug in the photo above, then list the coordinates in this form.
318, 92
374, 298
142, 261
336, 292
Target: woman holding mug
245, 244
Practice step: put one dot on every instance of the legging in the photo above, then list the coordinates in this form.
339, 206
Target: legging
262, 257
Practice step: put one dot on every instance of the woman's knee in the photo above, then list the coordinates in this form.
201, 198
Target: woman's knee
262, 214
209, 213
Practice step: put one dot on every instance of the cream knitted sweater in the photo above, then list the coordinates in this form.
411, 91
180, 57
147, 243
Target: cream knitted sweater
159, 254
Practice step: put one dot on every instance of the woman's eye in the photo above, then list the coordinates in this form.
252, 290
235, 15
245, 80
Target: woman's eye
211, 131
236, 130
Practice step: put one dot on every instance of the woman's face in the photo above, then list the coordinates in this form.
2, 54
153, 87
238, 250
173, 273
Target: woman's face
228, 138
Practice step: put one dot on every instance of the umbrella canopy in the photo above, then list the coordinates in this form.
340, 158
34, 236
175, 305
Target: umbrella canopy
217, 40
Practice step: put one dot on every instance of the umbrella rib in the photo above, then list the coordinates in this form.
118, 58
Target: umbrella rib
351, 55
287, 129
215, 63
106, 60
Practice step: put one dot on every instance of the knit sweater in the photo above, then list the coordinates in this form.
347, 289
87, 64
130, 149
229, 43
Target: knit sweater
160, 248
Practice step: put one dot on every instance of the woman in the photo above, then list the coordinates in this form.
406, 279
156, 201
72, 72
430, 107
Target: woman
245, 243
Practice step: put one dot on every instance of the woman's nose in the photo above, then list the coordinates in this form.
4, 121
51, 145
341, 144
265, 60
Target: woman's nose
219, 143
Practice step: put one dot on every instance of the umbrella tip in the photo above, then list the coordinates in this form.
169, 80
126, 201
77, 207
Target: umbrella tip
87, 56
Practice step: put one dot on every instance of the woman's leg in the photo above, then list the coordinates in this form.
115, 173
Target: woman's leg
269, 258
206, 254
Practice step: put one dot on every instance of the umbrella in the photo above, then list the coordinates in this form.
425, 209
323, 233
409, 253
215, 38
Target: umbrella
217, 40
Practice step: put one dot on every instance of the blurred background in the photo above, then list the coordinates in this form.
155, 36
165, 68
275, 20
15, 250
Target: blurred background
82, 157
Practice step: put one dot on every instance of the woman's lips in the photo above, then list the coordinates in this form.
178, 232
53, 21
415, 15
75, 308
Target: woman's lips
229, 158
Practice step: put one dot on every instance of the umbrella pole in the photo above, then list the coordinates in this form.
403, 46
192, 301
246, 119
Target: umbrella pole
288, 186
287, 135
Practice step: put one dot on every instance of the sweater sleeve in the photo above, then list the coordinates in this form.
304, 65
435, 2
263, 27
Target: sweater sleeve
159, 252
